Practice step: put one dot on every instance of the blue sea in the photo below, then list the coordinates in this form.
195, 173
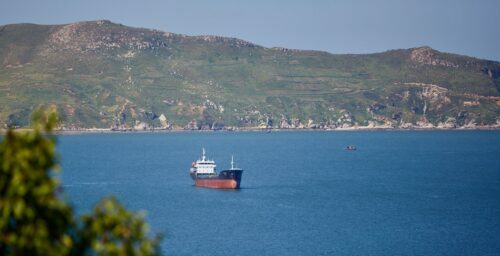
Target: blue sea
399, 193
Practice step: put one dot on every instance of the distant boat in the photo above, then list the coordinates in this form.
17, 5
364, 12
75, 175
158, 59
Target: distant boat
350, 147
204, 174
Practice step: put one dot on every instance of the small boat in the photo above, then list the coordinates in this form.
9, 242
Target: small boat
350, 147
204, 174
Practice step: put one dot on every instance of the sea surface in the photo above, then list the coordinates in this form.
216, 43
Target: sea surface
399, 193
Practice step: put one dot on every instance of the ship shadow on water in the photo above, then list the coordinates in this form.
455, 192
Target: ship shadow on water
224, 189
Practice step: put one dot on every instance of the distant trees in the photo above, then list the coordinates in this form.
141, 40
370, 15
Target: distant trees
36, 220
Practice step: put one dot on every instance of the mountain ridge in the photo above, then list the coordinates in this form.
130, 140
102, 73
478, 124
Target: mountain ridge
111, 75
228, 38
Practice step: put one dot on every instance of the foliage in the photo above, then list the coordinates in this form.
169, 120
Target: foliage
112, 230
35, 220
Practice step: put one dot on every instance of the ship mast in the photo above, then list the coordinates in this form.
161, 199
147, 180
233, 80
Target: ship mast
232, 162
203, 157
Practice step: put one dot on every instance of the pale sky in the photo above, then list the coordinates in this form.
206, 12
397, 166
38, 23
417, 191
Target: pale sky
465, 27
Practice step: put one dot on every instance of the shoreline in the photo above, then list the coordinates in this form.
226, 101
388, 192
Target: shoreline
263, 130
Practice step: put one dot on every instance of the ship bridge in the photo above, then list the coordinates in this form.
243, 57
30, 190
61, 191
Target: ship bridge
204, 165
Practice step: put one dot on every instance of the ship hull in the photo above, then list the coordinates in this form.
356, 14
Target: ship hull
229, 179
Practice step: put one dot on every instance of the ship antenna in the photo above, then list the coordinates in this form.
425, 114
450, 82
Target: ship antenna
203, 154
232, 162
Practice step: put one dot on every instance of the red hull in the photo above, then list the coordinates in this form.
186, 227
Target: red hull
213, 183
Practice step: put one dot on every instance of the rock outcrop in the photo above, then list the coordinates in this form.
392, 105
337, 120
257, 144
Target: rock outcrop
428, 56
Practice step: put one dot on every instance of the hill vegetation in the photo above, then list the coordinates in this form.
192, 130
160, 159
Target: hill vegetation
102, 74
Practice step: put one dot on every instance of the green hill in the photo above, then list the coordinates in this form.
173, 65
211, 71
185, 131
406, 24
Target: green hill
102, 74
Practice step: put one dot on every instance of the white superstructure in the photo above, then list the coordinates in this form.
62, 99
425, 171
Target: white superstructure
204, 166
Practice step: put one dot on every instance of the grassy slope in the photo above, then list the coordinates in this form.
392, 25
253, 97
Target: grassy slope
189, 78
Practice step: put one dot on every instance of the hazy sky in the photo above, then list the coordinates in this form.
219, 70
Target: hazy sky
351, 26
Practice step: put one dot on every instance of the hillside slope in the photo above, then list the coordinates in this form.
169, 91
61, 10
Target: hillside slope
102, 74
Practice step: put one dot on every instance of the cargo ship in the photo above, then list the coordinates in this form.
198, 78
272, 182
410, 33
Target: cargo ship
204, 174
